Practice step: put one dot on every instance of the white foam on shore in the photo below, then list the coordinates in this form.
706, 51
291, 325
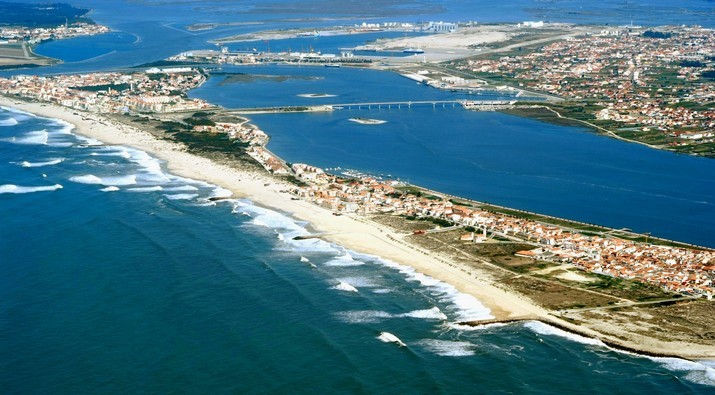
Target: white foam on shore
62, 127
10, 188
181, 196
19, 112
343, 286
106, 181
447, 348
430, 314
221, 192
284, 225
50, 162
460, 306
465, 307
477, 327
545, 329
697, 372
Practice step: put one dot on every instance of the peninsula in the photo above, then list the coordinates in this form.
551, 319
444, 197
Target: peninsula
654, 86
637, 294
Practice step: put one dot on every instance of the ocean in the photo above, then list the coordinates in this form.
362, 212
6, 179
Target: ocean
117, 276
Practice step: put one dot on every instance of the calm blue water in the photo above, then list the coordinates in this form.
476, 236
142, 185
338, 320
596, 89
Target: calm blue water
563, 171
160, 26
324, 43
277, 85
118, 277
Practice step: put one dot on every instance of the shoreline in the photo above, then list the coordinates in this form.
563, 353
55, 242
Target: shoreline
352, 232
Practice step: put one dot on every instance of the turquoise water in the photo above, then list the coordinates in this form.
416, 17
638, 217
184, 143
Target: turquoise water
118, 277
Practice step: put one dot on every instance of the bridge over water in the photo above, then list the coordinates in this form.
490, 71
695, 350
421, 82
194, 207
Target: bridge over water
376, 105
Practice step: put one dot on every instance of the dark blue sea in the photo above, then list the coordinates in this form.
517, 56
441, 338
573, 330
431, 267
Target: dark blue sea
119, 277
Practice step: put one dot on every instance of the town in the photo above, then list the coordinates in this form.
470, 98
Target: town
37, 35
676, 269
162, 91
653, 86
153, 90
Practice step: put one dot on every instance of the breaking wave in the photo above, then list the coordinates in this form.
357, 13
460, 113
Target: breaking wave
51, 162
10, 188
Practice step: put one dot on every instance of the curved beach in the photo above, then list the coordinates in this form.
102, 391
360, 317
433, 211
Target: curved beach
353, 232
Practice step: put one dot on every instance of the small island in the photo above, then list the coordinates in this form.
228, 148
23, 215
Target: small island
367, 121
315, 95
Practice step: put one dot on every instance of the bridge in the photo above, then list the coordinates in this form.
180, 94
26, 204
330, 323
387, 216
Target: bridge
375, 105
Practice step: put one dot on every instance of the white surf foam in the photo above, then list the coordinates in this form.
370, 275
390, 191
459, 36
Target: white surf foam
361, 282
464, 307
151, 167
363, 316
388, 337
20, 112
344, 260
10, 188
107, 181
544, 329
697, 372
476, 328
112, 152
50, 162
448, 348
183, 188
343, 286
109, 189
181, 196
146, 189
38, 137
8, 122
431, 314
221, 192
64, 128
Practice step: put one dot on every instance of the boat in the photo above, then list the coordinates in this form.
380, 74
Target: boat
413, 50
332, 65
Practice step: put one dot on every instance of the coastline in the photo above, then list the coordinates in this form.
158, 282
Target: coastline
355, 233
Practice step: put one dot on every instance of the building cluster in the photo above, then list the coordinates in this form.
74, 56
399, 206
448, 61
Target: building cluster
681, 270
150, 91
657, 81
38, 35
248, 134
271, 162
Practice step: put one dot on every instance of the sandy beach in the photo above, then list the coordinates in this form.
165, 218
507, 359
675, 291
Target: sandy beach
353, 232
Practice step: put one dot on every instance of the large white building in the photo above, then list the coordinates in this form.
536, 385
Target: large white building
442, 27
